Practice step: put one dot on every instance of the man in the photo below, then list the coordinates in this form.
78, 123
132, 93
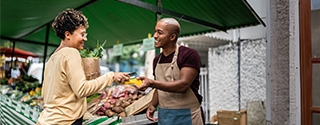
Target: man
176, 72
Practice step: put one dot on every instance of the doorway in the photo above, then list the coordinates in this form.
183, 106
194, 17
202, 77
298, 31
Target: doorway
310, 61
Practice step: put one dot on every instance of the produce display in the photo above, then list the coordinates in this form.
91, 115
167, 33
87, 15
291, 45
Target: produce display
33, 98
115, 99
23, 83
24, 88
109, 105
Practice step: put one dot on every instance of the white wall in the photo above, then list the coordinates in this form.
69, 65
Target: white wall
294, 51
223, 78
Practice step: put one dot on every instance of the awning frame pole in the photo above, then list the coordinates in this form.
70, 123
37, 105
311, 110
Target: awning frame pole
161, 10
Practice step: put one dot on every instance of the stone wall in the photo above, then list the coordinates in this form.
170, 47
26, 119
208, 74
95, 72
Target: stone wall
278, 83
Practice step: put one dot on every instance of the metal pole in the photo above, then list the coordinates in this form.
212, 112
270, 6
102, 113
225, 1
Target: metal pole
158, 17
45, 50
12, 54
268, 64
239, 70
208, 95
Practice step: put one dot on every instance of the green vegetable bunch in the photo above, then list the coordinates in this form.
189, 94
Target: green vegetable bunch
96, 53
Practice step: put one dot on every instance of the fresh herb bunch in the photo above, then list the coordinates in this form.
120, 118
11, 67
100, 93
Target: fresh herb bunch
96, 53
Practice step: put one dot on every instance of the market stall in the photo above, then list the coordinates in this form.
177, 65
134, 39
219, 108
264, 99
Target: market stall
8, 51
121, 104
14, 59
16, 112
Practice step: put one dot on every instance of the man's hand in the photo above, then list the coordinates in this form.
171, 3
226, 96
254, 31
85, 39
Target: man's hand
145, 82
150, 113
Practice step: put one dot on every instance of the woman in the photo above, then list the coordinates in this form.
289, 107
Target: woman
65, 87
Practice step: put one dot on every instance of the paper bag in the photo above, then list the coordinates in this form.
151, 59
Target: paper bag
91, 67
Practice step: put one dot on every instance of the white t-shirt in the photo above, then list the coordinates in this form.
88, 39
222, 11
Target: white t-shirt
15, 72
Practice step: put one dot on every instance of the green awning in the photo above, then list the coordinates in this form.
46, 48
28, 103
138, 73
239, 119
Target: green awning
126, 21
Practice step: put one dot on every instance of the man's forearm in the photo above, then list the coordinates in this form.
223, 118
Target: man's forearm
155, 100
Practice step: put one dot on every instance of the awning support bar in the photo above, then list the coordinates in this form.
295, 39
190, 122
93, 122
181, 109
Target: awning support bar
157, 9
28, 41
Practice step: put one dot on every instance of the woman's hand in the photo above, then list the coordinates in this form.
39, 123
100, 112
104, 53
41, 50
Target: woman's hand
120, 77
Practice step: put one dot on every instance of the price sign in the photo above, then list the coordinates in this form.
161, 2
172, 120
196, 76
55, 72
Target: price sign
18, 109
27, 110
35, 115
3, 99
148, 44
117, 49
9, 102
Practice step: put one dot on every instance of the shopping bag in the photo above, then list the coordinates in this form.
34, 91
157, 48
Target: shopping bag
91, 67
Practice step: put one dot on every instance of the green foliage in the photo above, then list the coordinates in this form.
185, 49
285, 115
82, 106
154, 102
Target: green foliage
128, 52
8, 44
92, 97
96, 53
4, 81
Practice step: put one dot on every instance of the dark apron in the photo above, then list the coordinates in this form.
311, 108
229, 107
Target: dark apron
176, 108
78, 121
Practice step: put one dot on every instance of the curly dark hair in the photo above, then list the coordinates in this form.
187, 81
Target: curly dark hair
68, 20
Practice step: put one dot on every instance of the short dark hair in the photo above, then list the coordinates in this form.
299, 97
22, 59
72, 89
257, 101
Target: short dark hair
68, 20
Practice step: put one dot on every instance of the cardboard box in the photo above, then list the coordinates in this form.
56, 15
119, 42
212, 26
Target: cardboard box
226, 117
213, 119
139, 105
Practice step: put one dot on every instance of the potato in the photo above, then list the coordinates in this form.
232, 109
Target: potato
124, 104
118, 102
122, 114
134, 96
117, 109
140, 95
109, 113
130, 95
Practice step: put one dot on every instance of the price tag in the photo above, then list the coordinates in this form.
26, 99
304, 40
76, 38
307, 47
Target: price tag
18, 108
9, 102
148, 44
27, 110
117, 49
4, 99
35, 115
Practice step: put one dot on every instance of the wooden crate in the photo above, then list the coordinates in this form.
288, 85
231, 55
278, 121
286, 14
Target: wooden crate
226, 117
139, 105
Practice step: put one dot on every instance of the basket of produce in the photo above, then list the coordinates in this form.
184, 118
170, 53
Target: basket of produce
114, 100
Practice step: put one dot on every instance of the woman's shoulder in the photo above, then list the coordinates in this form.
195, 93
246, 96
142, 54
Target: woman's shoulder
66, 52
69, 51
